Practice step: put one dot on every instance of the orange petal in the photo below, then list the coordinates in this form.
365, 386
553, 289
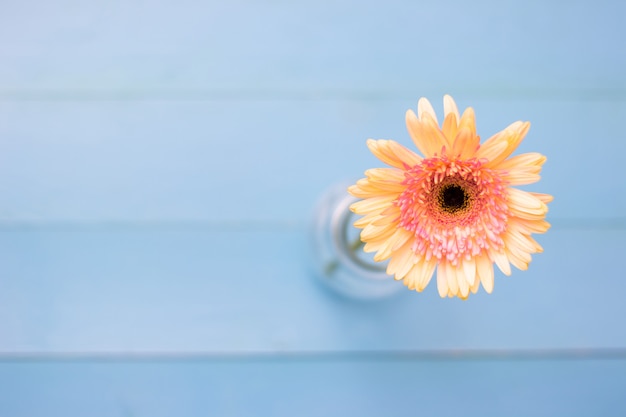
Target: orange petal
545, 198
512, 136
531, 159
450, 127
468, 120
466, 144
431, 123
392, 153
426, 135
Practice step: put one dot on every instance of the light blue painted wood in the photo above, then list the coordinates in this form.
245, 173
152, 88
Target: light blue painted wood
315, 387
158, 163
400, 47
193, 289
266, 160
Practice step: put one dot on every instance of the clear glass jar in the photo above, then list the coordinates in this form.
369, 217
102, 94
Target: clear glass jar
339, 261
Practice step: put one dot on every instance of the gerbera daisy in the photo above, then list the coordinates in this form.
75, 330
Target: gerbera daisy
454, 209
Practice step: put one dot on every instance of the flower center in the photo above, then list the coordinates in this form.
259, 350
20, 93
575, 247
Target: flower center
455, 208
452, 198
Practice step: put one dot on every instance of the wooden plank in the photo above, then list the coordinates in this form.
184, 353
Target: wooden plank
265, 160
317, 387
317, 47
200, 289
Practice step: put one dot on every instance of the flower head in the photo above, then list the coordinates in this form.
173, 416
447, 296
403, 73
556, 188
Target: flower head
454, 209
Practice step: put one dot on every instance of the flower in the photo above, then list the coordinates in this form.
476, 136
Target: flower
454, 209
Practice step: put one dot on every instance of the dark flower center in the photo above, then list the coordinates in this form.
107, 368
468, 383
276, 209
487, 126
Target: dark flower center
453, 198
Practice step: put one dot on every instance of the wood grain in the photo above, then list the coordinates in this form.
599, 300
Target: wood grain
158, 167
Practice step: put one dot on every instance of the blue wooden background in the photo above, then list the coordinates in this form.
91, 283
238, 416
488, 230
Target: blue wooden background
159, 162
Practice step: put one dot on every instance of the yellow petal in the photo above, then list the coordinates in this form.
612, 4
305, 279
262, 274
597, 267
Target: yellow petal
520, 241
525, 205
529, 226
426, 135
464, 287
403, 236
442, 281
453, 284
386, 218
404, 154
520, 177
392, 245
431, 124
475, 286
469, 270
499, 141
371, 232
449, 107
511, 136
412, 278
401, 262
424, 107
374, 246
365, 188
428, 269
370, 205
518, 259
502, 261
522, 169
392, 153
489, 151
385, 174
365, 220
485, 272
